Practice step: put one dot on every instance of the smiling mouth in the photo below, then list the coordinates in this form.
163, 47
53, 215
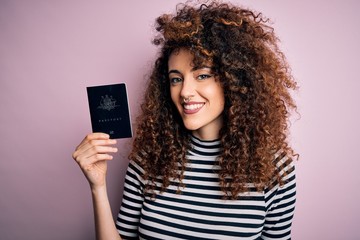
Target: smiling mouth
192, 108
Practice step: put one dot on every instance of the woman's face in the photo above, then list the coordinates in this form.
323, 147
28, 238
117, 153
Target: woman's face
197, 95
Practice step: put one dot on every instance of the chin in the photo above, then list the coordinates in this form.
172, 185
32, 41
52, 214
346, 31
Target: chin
191, 126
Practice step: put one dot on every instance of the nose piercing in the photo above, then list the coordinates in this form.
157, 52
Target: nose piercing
187, 99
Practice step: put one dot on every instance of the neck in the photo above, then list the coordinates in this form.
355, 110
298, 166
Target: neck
210, 131
206, 136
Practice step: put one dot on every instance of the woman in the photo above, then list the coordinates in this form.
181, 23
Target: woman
210, 158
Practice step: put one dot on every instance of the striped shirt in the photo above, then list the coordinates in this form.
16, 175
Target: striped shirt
200, 212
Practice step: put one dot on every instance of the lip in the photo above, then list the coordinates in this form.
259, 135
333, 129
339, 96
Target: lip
194, 108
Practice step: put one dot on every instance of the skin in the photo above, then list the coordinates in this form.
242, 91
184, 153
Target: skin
92, 155
203, 113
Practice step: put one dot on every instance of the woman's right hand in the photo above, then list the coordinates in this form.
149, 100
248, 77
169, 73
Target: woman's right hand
92, 155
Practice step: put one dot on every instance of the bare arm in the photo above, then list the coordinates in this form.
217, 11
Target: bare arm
92, 155
104, 223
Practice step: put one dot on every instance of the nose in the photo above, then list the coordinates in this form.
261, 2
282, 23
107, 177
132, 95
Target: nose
188, 88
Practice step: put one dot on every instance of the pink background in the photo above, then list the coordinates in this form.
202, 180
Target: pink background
51, 50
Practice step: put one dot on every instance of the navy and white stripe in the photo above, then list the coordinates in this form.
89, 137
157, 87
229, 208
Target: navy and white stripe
199, 212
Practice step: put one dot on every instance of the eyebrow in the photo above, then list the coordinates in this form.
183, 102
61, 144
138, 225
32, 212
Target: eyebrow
174, 71
192, 70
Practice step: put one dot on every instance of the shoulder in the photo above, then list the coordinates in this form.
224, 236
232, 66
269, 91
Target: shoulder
284, 164
134, 172
282, 189
285, 173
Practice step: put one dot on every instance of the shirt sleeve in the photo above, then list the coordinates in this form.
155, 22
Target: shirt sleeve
128, 219
280, 203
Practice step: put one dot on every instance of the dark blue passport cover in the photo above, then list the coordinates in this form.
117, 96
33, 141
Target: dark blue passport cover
109, 110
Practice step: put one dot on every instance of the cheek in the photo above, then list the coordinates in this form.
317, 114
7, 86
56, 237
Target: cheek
216, 93
221, 103
174, 95
222, 97
220, 100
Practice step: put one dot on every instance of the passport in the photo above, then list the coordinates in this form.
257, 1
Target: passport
109, 110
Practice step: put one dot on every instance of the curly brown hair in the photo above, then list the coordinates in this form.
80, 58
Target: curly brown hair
256, 79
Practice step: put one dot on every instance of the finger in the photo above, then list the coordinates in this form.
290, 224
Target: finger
100, 150
93, 136
92, 150
96, 143
92, 143
90, 161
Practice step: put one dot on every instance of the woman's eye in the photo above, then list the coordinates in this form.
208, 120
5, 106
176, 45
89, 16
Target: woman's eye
175, 80
204, 76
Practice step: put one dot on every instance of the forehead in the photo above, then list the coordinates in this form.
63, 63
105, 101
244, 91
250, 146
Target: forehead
181, 58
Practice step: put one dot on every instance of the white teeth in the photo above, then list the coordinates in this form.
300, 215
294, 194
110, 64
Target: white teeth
193, 106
